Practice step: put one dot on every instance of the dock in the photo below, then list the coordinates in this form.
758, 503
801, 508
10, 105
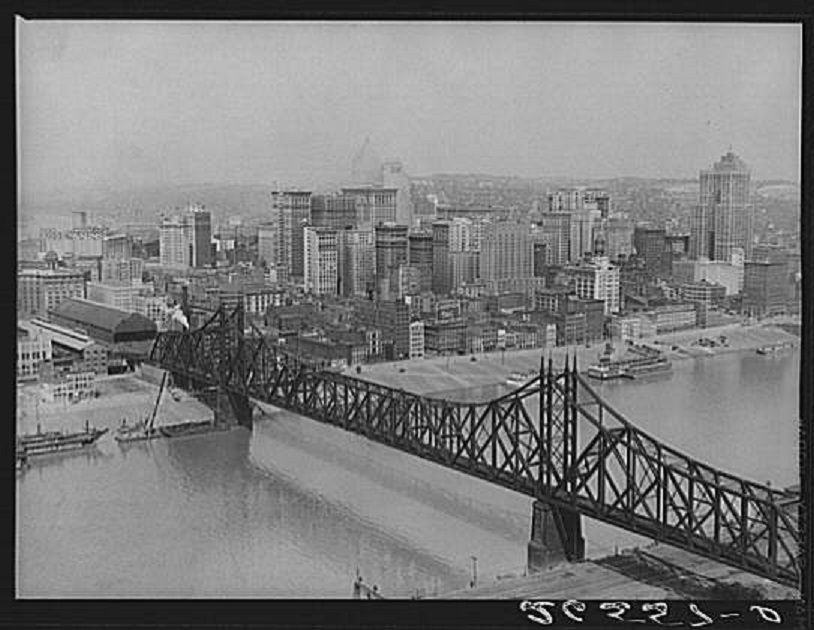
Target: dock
655, 572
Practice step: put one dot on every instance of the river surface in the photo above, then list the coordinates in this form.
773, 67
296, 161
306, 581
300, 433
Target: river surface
295, 508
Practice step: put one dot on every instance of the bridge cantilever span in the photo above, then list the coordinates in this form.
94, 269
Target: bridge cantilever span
553, 439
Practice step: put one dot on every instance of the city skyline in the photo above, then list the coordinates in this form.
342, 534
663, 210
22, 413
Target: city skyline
126, 105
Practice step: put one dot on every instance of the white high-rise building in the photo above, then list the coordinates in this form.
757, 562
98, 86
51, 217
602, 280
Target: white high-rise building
174, 243
321, 260
596, 280
723, 220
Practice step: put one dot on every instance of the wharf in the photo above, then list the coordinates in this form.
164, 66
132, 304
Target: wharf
484, 377
656, 572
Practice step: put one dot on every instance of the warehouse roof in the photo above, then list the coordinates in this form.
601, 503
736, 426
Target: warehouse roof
102, 316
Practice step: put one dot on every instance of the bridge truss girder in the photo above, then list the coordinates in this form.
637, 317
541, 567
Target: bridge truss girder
553, 439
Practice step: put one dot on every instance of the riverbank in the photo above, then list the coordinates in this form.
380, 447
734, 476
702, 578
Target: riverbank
129, 397
461, 376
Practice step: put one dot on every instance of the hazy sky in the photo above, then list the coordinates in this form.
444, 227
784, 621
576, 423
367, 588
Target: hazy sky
141, 103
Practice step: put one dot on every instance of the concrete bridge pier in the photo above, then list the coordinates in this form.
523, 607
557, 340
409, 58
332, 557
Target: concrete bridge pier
556, 535
231, 408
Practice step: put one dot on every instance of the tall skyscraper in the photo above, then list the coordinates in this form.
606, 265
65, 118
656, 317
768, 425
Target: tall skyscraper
506, 251
200, 222
336, 211
321, 260
394, 176
267, 243
374, 204
554, 229
441, 271
420, 256
651, 246
292, 212
391, 253
723, 219
581, 244
185, 240
357, 262
174, 243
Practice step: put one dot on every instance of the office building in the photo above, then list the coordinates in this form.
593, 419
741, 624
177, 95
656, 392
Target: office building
185, 240
117, 246
174, 243
292, 212
702, 292
409, 281
651, 247
464, 268
715, 272
554, 230
596, 280
394, 176
120, 295
462, 235
337, 211
766, 287
374, 204
420, 256
39, 291
723, 219
357, 262
565, 200
122, 270
391, 254
581, 243
441, 272
321, 258
200, 225
599, 200
506, 251
267, 244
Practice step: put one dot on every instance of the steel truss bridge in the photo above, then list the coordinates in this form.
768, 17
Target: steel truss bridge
553, 439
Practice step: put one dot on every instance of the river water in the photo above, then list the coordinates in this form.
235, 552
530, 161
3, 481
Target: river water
295, 508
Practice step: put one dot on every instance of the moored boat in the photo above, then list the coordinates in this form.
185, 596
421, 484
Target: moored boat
56, 441
641, 361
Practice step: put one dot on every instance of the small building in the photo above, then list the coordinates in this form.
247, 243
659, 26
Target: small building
417, 339
69, 388
33, 350
703, 291
672, 317
71, 350
445, 337
626, 327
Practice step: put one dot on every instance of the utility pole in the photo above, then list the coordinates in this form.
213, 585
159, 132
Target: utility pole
474, 570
